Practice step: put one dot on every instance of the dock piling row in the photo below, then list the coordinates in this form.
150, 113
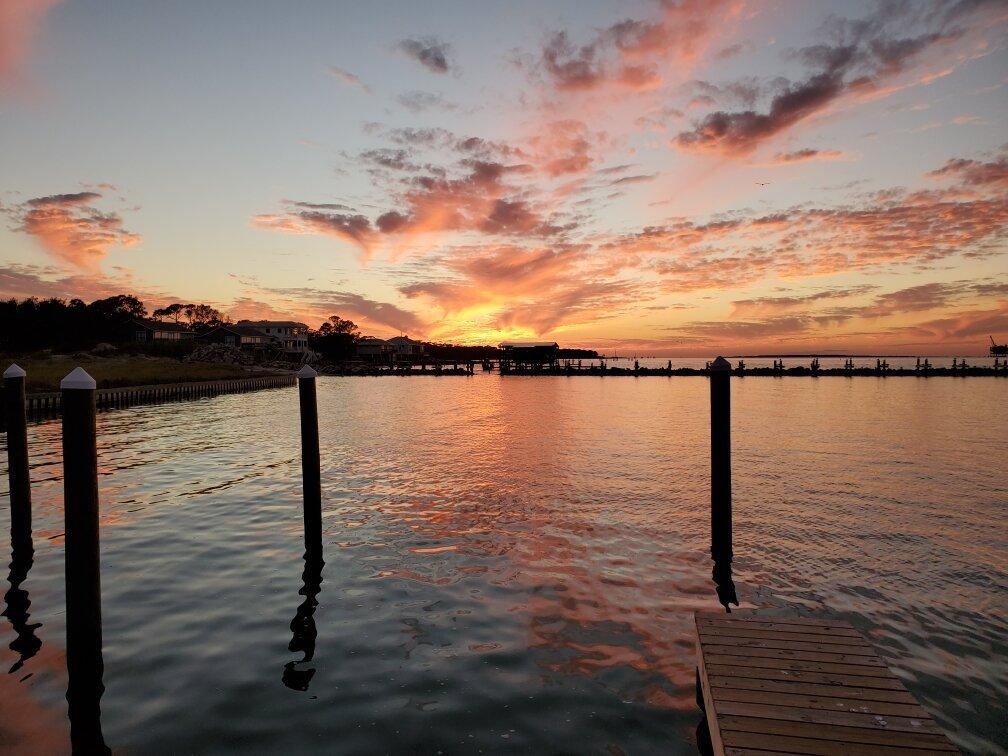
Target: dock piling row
16, 421
85, 666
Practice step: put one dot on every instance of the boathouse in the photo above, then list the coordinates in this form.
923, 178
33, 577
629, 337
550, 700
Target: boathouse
404, 348
374, 349
530, 352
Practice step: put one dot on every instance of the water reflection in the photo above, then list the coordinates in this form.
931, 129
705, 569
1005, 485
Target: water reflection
723, 584
17, 604
85, 686
297, 674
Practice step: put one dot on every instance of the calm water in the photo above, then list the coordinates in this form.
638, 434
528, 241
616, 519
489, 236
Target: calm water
511, 564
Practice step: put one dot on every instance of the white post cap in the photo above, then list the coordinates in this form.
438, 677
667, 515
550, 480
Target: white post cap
14, 371
78, 379
307, 372
720, 364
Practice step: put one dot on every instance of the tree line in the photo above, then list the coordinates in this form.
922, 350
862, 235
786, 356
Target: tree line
34, 324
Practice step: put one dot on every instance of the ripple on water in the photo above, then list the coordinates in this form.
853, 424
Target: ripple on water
511, 565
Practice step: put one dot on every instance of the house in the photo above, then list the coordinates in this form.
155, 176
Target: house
374, 349
154, 330
289, 335
405, 349
530, 352
234, 335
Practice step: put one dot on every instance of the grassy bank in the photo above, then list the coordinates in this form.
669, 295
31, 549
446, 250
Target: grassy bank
45, 373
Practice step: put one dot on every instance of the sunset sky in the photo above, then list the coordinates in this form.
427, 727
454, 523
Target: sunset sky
656, 177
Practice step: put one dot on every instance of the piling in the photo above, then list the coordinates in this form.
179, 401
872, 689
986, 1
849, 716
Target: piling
311, 464
83, 583
721, 516
16, 419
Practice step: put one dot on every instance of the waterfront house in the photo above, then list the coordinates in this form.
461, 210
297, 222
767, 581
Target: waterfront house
374, 349
288, 335
405, 349
234, 335
530, 352
146, 331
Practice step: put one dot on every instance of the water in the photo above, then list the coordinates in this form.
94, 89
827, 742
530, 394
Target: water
511, 564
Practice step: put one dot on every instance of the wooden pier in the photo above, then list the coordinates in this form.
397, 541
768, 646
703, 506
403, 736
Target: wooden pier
774, 685
42, 405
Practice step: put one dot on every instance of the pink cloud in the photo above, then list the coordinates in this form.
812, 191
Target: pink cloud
20, 24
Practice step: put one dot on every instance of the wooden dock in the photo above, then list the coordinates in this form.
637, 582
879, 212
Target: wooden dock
774, 685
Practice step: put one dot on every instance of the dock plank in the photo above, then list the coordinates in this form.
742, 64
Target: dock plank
804, 685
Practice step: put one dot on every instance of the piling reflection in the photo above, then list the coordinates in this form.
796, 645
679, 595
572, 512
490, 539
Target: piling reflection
17, 604
723, 584
85, 686
297, 674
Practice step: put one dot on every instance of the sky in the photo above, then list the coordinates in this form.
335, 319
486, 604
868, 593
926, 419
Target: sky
660, 178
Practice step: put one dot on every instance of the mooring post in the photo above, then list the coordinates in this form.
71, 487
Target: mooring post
16, 417
83, 582
721, 515
311, 464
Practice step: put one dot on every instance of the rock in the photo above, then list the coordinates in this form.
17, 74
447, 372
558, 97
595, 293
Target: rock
221, 354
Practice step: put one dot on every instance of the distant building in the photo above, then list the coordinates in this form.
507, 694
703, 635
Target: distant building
374, 349
405, 349
530, 352
155, 330
234, 335
289, 335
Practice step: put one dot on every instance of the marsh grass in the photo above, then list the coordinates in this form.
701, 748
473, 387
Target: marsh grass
45, 372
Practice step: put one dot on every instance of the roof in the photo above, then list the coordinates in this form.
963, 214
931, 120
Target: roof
236, 329
158, 325
402, 340
272, 323
528, 345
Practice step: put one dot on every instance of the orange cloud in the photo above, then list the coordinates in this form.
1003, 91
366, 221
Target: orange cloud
72, 230
805, 154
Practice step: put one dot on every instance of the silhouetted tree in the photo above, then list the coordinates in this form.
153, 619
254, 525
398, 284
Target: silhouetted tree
32, 324
173, 311
335, 339
203, 315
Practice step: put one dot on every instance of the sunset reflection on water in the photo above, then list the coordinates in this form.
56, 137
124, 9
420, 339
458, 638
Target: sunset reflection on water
512, 563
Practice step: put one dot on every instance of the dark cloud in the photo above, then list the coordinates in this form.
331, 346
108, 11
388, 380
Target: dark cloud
393, 159
769, 305
631, 53
807, 153
861, 55
976, 173
64, 200
639, 178
418, 101
354, 306
430, 52
571, 67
